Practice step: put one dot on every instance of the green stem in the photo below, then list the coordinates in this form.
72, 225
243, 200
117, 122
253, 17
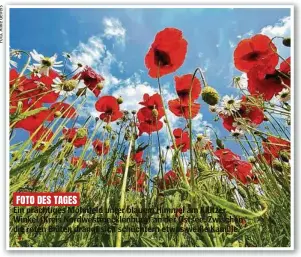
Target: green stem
123, 189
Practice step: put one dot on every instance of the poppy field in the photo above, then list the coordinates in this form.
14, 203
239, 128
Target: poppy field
210, 188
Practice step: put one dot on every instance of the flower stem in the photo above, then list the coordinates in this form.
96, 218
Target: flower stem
123, 189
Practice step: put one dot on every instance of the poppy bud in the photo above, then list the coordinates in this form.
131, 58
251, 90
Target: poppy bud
287, 41
79, 65
210, 95
155, 113
284, 156
107, 143
277, 165
265, 118
252, 159
81, 132
99, 86
288, 122
119, 100
113, 137
81, 91
199, 137
133, 112
19, 107
96, 119
108, 128
14, 154
168, 147
57, 114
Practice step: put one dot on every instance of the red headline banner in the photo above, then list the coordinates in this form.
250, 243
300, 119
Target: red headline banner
46, 199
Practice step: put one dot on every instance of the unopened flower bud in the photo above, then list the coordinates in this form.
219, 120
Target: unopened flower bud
252, 159
81, 133
133, 112
284, 156
96, 119
57, 114
79, 65
286, 41
119, 100
108, 128
155, 113
210, 95
199, 137
100, 85
277, 165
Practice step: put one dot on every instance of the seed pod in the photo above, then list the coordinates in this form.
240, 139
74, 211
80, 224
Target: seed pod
287, 42
210, 95
57, 114
119, 100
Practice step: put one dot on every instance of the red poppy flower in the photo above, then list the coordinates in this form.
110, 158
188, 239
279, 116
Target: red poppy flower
266, 157
182, 139
41, 137
180, 109
91, 79
235, 167
139, 183
268, 86
256, 51
119, 169
66, 110
100, 148
226, 157
40, 88
138, 157
13, 76
109, 108
17, 94
153, 102
76, 160
248, 111
78, 136
275, 145
148, 122
167, 53
31, 123
170, 178
183, 85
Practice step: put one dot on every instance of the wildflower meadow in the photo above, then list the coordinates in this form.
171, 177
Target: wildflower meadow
206, 195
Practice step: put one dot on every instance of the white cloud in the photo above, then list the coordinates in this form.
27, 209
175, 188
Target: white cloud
113, 29
280, 29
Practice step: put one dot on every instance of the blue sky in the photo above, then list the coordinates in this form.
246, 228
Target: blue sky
115, 41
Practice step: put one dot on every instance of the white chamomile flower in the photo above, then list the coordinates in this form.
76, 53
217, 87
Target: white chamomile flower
230, 105
15, 53
45, 63
34, 70
237, 132
65, 88
284, 95
68, 56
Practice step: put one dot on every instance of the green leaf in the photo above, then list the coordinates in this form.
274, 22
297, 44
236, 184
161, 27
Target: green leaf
234, 208
149, 242
28, 114
33, 162
230, 239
